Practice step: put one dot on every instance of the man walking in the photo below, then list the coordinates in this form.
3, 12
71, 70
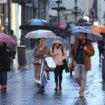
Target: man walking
81, 52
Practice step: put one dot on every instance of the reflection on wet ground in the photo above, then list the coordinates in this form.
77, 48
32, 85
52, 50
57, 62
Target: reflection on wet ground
23, 91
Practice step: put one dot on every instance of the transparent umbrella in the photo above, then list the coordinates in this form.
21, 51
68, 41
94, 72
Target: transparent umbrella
65, 43
40, 34
91, 35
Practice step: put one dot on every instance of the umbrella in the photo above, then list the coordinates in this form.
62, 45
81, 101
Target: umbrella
7, 39
49, 35
65, 43
87, 24
40, 34
62, 26
91, 35
99, 28
35, 24
39, 22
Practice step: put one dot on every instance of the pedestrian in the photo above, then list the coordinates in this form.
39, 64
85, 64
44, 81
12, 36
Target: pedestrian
58, 53
100, 49
40, 52
4, 65
81, 52
72, 39
12, 46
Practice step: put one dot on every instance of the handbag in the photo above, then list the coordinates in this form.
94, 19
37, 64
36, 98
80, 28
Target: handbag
65, 65
50, 64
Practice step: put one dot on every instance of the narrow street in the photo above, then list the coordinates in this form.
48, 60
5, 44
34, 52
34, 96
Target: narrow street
23, 91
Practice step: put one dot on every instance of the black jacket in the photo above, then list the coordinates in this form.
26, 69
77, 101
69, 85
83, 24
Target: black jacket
4, 58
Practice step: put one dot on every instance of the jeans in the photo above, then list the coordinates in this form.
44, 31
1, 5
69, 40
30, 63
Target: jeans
58, 74
3, 78
80, 74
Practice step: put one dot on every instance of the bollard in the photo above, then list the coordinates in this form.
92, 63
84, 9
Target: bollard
21, 54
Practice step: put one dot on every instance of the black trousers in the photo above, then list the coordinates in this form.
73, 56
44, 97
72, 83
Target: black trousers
58, 75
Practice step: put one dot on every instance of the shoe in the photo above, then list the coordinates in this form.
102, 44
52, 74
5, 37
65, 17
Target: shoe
41, 89
4, 89
56, 88
81, 94
48, 78
60, 88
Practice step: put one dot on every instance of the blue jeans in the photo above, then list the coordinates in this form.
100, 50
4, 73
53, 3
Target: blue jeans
3, 78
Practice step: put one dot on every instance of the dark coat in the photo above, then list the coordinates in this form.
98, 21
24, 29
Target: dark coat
4, 58
87, 53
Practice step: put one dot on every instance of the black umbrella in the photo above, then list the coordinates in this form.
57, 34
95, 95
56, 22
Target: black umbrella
87, 24
38, 22
35, 24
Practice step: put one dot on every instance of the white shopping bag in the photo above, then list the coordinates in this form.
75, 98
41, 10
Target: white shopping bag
50, 62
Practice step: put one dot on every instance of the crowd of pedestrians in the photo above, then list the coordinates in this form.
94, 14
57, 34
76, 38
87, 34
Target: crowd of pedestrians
81, 53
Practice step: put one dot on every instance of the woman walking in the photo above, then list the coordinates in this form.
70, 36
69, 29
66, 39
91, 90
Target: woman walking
4, 65
40, 52
58, 53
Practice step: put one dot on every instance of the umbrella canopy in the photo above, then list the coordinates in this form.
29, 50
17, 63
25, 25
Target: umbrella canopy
40, 34
91, 35
62, 26
99, 28
35, 24
7, 39
49, 42
39, 22
87, 24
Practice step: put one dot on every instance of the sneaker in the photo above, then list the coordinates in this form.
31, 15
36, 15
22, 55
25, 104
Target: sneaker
81, 94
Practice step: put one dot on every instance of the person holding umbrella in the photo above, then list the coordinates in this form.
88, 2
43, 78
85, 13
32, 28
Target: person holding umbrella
81, 52
40, 52
58, 53
4, 65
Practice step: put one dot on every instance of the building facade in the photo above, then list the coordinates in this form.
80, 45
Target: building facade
101, 11
75, 9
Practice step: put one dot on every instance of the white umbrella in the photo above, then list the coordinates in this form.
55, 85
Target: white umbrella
91, 35
40, 34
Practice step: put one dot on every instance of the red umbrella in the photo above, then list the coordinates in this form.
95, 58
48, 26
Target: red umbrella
7, 39
62, 26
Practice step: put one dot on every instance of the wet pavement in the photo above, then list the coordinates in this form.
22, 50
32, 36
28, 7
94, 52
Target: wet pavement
23, 91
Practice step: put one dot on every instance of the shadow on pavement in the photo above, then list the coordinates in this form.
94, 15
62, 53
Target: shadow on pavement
80, 101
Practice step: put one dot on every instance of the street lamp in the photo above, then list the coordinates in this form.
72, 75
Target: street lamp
76, 12
58, 8
92, 15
